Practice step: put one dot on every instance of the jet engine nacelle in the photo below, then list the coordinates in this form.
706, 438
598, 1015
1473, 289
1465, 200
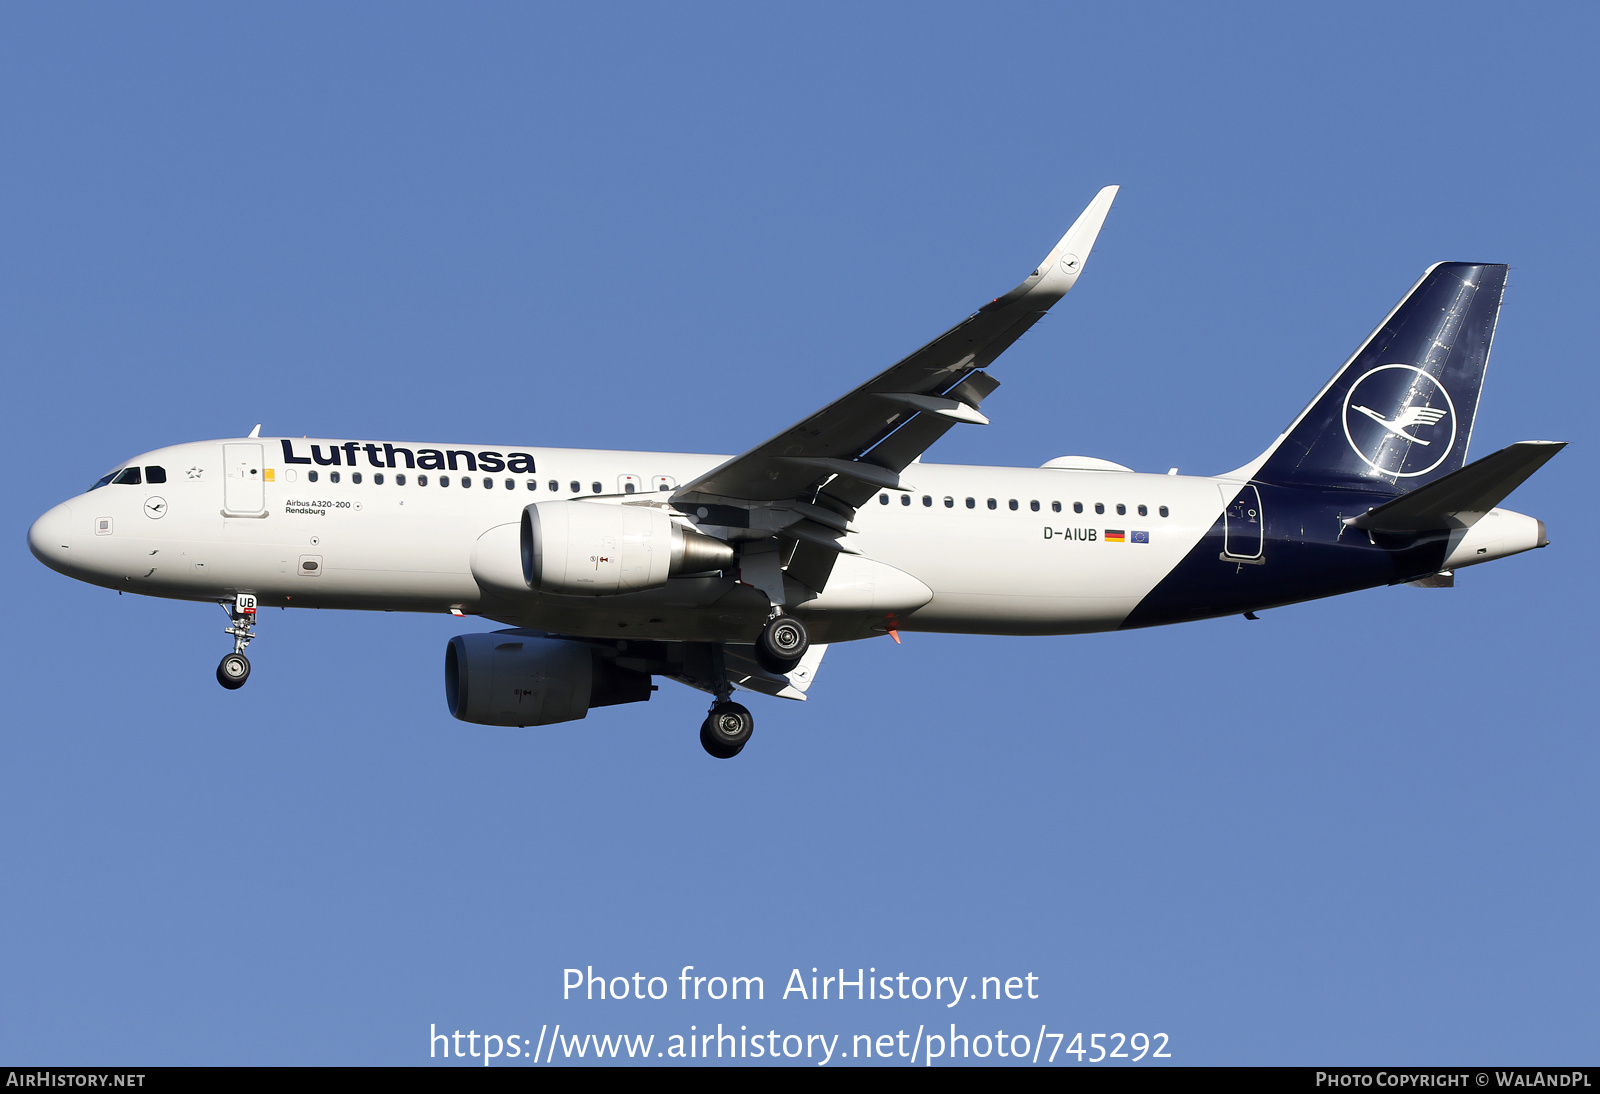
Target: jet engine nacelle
511, 679
593, 549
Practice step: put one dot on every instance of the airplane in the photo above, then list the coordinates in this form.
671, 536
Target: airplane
611, 568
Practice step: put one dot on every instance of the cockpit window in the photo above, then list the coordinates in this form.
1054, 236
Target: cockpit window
130, 477
103, 479
154, 476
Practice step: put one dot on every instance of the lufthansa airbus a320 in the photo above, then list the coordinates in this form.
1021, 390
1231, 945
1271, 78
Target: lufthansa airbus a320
611, 568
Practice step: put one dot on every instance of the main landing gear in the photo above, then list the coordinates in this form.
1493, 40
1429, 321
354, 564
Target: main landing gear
779, 648
234, 669
783, 642
726, 729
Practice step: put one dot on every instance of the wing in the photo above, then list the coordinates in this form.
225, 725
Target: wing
804, 484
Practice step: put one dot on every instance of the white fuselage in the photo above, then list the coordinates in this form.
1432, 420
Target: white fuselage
993, 562
982, 550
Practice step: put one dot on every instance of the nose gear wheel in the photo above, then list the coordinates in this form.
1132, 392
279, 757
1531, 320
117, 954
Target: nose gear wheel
233, 671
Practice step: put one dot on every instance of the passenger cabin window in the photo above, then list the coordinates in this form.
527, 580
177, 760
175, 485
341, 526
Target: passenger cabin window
533, 484
466, 483
905, 499
991, 503
575, 488
627, 488
883, 499
972, 503
555, 487
949, 503
1163, 511
1122, 510
129, 477
594, 488
1012, 505
355, 477
1099, 507
511, 484
444, 480
1077, 507
377, 479
1144, 511
1055, 507
155, 476
927, 500
400, 480
311, 476
422, 480
1033, 505
333, 476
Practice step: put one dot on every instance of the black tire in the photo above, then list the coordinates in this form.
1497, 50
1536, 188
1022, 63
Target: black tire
709, 743
782, 644
233, 671
726, 730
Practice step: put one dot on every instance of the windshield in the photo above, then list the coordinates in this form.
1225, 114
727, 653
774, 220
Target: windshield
131, 476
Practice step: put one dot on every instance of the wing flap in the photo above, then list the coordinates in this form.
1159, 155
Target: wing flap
744, 672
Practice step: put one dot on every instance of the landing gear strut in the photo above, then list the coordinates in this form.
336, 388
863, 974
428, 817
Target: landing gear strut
234, 669
783, 642
726, 729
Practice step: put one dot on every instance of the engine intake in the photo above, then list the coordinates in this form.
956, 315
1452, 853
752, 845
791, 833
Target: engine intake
512, 679
592, 549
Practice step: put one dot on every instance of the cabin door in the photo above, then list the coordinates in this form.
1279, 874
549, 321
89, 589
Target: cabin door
244, 492
1242, 525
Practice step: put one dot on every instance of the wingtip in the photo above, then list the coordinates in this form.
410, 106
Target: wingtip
1066, 260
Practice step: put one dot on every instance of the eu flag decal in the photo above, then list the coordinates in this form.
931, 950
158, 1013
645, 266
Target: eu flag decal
1115, 535
1141, 537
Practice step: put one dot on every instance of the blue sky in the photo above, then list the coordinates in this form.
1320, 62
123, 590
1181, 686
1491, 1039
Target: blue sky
1357, 831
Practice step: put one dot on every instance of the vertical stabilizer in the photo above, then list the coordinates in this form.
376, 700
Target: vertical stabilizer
1399, 413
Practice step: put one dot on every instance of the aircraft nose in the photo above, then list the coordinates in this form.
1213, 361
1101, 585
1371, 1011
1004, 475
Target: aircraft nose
50, 538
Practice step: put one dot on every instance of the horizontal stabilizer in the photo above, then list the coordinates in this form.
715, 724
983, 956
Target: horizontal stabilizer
1461, 498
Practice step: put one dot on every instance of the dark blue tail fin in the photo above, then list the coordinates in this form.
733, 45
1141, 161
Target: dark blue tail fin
1399, 413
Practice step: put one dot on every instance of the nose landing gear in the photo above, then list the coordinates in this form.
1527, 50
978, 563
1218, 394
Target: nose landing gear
234, 669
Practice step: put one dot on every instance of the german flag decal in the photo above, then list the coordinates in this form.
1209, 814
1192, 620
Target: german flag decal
1115, 535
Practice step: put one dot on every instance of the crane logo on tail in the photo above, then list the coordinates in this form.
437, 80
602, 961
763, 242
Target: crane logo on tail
1411, 415
1400, 421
